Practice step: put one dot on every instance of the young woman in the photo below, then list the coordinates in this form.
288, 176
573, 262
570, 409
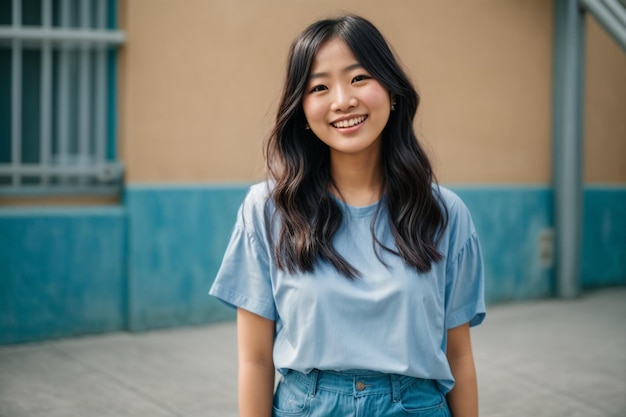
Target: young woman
353, 273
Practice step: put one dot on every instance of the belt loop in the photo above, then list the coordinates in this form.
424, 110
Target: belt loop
313, 377
395, 388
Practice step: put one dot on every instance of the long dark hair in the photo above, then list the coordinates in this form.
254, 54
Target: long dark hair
299, 163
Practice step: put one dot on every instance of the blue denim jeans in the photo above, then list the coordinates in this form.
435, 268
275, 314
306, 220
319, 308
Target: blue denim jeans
357, 394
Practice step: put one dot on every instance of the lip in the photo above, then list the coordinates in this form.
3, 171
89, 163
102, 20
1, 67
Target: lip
351, 117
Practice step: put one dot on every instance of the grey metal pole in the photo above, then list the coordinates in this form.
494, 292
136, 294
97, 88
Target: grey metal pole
568, 131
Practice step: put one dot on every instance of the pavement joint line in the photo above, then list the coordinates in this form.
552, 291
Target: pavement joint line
529, 379
116, 380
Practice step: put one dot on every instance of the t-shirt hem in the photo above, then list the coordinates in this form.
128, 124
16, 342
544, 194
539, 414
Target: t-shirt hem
234, 300
474, 315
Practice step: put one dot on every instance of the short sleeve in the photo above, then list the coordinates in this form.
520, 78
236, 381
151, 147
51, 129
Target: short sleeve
243, 279
465, 286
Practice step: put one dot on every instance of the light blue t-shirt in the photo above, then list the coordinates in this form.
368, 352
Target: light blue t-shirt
392, 319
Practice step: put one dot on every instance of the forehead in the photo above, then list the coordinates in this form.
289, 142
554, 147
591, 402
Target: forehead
333, 53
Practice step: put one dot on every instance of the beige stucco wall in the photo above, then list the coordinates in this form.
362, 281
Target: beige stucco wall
605, 108
199, 81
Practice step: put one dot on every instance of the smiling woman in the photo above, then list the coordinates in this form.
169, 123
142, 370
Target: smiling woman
337, 70
353, 272
345, 107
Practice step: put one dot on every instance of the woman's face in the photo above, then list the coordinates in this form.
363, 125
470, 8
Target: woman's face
344, 106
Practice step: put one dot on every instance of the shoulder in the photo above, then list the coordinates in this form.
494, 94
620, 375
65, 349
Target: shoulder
460, 226
254, 208
454, 205
259, 193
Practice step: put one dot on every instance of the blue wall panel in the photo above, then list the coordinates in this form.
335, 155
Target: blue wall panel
177, 236
509, 221
149, 264
61, 272
604, 237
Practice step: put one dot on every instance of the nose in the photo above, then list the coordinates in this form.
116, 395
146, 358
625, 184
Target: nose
343, 100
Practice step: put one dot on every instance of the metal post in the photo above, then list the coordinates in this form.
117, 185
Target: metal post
100, 99
568, 129
63, 98
45, 146
84, 92
16, 95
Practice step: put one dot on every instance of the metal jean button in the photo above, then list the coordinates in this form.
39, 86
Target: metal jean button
360, 386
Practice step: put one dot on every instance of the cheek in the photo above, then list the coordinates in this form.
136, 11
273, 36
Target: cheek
307, 108
313, 110
377, 98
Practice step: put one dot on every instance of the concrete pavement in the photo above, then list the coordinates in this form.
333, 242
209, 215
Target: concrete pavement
543, 358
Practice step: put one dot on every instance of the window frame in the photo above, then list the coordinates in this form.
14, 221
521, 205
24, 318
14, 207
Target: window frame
86, 37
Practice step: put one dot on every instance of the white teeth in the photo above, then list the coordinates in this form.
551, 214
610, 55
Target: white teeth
350, 122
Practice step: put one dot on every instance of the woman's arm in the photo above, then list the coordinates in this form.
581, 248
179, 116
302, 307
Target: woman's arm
463, 399
255, 341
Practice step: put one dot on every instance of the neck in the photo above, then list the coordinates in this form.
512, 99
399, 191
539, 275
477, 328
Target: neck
358, 179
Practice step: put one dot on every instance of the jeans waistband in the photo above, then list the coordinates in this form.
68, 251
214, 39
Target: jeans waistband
356, 382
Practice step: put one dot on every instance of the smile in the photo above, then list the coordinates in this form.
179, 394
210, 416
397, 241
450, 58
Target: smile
349, 122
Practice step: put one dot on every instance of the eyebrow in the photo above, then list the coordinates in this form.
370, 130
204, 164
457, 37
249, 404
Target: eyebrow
325, 74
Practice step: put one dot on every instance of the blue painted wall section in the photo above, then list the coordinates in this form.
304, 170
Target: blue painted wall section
177, 236
61, 272
509, 222
149, 263
604, 237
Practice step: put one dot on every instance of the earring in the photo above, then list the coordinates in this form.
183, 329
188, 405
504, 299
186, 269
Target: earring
393, 105
307, 127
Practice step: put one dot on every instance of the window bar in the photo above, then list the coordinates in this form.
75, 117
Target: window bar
618, 10
63, 93
46, 90
84, 108
607, 18
57, 35
100, 101
16, 96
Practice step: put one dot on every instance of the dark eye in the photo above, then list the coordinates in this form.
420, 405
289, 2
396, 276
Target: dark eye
360, 78
318, 88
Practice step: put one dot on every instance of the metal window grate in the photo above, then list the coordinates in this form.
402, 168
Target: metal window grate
57, 97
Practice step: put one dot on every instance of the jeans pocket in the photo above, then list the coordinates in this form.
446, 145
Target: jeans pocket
422, 398
290, 399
